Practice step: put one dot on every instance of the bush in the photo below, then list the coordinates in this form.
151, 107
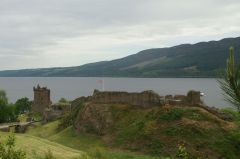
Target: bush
182, 152
63, 100
8, 151
172, 131
65, 121
173, 114
23, 105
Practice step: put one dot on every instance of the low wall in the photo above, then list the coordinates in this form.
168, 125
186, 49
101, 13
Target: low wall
5, 129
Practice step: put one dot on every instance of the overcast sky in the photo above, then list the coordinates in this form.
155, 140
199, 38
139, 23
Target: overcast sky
49, 33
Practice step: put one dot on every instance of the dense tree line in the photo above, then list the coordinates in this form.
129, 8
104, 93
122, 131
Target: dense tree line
8, 111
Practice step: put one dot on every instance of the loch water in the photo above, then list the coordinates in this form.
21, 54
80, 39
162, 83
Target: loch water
73, 87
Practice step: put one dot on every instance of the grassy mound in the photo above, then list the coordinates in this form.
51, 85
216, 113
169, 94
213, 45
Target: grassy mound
139, 134
158, 131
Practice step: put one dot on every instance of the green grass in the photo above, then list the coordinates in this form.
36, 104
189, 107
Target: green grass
44, 131
81, 141
35, 146
159, 131
172, 115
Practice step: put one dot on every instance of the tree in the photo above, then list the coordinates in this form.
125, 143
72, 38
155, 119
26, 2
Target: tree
23, 105
3, 96
7, 111
3, 108
230, 81
63, 100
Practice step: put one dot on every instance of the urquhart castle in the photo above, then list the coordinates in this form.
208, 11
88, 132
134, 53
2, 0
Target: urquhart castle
43, 105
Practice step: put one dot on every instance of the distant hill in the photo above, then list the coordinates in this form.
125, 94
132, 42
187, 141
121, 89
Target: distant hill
202, 59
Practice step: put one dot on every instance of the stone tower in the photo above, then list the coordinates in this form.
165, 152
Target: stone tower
41, 99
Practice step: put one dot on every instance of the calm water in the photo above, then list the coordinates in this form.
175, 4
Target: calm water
71, 88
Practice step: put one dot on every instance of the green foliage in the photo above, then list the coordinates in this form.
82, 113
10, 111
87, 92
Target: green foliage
66, 121
69, 118
8, 150
63, 100
195, 114
36, 116
76, 111
230, 81
7, 111
172, 115
232, 112
23, 105
3, 96
182, 152
172, 131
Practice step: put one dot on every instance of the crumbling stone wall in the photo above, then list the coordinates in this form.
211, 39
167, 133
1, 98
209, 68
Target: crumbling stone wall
192, 98
56, 111
41, 99
143, 99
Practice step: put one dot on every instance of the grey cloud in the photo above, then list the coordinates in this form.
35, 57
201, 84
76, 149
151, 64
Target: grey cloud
40, 29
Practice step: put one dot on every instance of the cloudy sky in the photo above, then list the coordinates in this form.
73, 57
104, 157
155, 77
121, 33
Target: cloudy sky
49, 33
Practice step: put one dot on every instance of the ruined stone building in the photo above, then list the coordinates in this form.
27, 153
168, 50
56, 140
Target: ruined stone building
145, 98
42, 104
41, 99
142, 99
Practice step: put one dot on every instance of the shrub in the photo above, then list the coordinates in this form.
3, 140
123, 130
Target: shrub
65, 121
63, 100
22, 105
182, 152
173, 114
172, 131
8, 151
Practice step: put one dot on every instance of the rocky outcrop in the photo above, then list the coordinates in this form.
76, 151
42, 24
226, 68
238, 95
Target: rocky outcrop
94, 118
218, 113
79, 101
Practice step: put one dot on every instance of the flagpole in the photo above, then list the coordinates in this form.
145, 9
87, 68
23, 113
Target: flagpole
103, 86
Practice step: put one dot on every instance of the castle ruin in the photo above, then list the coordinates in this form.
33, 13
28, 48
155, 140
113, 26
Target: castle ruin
143, 99
41, 99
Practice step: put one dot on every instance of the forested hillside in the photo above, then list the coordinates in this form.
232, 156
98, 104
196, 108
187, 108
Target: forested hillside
203, 59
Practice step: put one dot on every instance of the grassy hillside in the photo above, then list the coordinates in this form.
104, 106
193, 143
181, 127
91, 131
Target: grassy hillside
81, 141
158, 131
203, 59
37, 147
